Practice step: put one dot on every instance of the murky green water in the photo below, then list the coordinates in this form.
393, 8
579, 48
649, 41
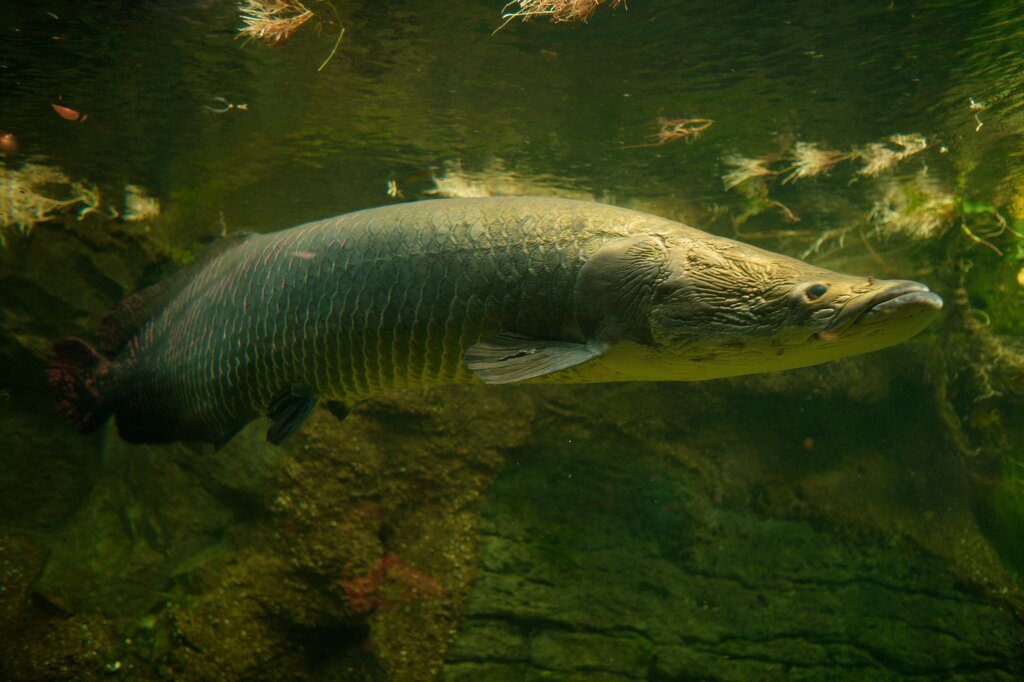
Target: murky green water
861, 520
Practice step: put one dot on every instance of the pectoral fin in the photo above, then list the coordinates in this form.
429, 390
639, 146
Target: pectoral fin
508, 358
288, 410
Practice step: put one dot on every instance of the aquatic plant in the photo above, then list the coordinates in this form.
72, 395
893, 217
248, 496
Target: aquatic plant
755, 194
36, 193
879, 157
982, 223
556, 10
745, 169
272, 20
917, 208
670, 129
810, 160
457, 183
496, 180
139, 205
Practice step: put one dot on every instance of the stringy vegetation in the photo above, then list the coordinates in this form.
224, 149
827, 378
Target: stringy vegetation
37, 193
555, 10
274, 21
807, 160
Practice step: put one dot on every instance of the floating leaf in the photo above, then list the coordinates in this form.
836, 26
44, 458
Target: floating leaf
68, 114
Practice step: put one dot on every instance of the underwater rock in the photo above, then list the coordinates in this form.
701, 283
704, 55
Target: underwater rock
146, 514
603, 560
351, 551
39, 641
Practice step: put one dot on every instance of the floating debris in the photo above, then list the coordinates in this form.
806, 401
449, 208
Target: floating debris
36, 193
272, 20
69, 114
810, 160
8, 143
670, 129
224, 106
745, 169
497, 180
139, 205
879, 157
682, 128
916, 208
459, 184
556, 10
976, 106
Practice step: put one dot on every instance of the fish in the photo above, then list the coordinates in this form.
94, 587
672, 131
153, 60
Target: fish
494, 290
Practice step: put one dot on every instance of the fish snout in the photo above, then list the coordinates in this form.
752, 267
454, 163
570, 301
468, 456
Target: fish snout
886, 301
901, 298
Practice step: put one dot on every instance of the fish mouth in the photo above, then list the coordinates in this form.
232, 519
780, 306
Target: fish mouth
901, 299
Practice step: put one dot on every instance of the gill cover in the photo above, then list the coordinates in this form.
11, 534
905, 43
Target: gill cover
615, 288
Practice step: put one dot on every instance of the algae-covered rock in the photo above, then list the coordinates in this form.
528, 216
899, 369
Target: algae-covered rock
601, 559
38, 641
350, 551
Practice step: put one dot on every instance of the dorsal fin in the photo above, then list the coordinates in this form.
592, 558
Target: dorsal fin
124, 320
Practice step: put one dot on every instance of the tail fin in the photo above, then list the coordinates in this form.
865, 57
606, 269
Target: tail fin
78, 378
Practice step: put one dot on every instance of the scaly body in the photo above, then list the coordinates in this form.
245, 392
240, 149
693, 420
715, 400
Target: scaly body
448, 291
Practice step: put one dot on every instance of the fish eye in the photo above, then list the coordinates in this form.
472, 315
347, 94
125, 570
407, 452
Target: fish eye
816, 291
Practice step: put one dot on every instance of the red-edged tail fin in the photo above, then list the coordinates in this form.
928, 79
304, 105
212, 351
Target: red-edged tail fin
78, 376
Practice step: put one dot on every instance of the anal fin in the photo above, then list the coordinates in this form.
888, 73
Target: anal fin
508, 358
288, 410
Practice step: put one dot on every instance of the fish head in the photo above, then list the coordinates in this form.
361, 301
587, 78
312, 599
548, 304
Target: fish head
724, 308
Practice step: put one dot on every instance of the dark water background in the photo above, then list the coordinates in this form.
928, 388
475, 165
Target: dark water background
661, 532
415, 85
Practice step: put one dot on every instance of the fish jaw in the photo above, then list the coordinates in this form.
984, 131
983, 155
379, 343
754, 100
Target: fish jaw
894, 312
909, 299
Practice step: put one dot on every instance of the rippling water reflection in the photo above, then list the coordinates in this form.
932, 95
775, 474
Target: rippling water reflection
413, 86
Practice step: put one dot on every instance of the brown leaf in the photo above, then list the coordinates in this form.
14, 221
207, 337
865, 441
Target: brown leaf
68, 114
